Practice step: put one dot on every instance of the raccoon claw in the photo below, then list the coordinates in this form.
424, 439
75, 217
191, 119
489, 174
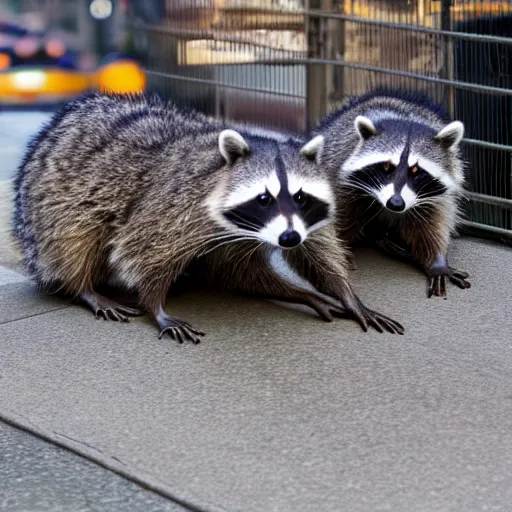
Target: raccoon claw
323, 310
437, 281
111, 314
177, 329
459, 278
108, 309
129, 311
353, 313
437, 286
368, 318
180, 331
379, 322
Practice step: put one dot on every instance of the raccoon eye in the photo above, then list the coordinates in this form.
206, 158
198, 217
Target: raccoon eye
387, 166
414, 169
264, 199
300, 198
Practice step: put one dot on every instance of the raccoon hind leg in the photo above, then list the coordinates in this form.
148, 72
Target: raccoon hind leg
79, 264
74, 257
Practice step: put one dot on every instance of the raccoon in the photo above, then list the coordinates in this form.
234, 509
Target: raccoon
133, 189
400, 178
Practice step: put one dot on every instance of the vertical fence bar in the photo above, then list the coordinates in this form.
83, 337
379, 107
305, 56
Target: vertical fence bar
314, 80
448, 61
319, 77
337, 32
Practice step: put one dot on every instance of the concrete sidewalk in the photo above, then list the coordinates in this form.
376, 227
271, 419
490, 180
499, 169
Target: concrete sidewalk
277, 410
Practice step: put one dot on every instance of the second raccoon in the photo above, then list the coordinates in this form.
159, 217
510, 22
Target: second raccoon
135, 189
395, 158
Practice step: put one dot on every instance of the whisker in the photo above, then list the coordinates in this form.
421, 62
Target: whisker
246, 222
194, 249
362, 187
370, 205
254, 249
419, 215
325, 269
197, 243
236, 240
376, 180
429, 200
365, 186
245, 256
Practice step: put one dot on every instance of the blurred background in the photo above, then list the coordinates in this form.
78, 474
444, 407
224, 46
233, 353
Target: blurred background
277, 63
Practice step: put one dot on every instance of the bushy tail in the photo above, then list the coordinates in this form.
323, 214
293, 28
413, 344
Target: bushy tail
10, 252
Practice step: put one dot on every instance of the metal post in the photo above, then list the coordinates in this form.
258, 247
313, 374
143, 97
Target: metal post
337, 33
318, 76
448, 64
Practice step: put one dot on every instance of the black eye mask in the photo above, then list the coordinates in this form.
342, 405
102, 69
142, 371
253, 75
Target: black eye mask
255, 214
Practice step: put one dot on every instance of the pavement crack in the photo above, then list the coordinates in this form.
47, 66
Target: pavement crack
80, 442
88, 446
5, 322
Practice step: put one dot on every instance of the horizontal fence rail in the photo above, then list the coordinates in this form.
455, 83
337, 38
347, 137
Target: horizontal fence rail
286, 64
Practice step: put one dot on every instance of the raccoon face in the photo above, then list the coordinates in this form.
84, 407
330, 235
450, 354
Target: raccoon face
277, 194
399, 187
407, 167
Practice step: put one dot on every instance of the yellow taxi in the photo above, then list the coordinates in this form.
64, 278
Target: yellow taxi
45, 72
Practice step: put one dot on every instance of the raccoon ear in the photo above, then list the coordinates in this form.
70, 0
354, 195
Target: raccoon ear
451, 134
364, 127
313, 149
232, 145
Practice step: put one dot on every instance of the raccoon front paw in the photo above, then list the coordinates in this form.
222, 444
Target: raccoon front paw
380, 322
366, 317
437, 280
179, 330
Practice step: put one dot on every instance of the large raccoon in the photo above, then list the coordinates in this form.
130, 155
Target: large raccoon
135, 190
400, 178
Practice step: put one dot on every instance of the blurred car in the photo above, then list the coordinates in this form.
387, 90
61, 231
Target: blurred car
120, 74
35, 69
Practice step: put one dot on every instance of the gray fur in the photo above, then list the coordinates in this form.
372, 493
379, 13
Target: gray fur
133, 189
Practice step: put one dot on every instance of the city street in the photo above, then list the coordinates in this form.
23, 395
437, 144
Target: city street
274, 411
16, 128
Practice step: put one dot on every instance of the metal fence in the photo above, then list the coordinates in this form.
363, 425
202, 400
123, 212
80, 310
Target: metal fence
285, 63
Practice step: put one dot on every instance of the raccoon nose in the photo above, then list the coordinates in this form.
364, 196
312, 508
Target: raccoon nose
396, 203
290, 238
